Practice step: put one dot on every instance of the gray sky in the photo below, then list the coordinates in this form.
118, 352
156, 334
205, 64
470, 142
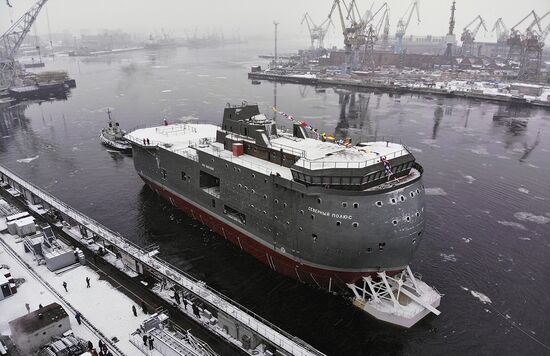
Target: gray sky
255, 17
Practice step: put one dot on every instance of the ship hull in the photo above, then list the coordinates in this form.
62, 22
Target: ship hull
324, 278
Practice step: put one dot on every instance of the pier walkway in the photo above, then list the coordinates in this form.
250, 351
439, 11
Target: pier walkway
146, 260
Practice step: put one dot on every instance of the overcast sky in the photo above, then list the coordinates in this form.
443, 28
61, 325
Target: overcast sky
254, 17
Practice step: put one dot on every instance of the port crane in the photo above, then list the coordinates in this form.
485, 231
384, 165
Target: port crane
11, 40
532, 45
403, 24
502, 33
316, 32
372, 33
515, 38
469, 35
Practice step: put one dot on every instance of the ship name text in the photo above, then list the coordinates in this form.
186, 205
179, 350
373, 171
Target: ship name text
329, 214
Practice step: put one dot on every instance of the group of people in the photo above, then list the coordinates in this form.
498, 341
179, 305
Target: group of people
103, 350
148, 341
143, 308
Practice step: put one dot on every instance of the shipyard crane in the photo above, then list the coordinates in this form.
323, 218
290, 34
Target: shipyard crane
403, 24
372, 33
316, 32
450, 38
532, 45
11, 40
468, 35
351, 29
515, 38
501, 30
502, 33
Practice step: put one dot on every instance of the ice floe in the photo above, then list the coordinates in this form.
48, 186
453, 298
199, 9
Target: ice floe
27, 160
414, 149
448, 258
466, 239
482, 297
525, 216
512, 224
435, 191
479, 150
166, 91
523, 190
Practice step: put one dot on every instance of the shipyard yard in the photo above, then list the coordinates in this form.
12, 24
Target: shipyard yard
475, 115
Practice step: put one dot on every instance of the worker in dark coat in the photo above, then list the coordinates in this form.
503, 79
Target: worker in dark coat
177, 297
77, 316
185, 303
134, 310
65, 286
151, 343
87, 282
90, 345
100, 343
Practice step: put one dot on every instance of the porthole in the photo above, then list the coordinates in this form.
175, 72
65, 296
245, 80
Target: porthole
239, 170
419, 233
285, 205
240, 185
253, 191
355, 224
276, 201
314, 236
417, 191
379, 203
265, 196
288, 222
302, 212
226, 165
212, 160
408, 218
319, 200
412, 194
394, 222
338, 223
402, 198
393, 200
300, 228
414, 240
253, 175
276, 218
312, 217
235, 169
245, 187
417, 214
355, 205
344, 204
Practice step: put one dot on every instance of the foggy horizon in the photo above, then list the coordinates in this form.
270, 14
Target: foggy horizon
254, 19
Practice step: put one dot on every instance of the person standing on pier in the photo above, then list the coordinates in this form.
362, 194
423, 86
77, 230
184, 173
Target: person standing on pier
177, 297
145, 339
87, 282
28, 307
151, 343
65, 286
134, 310
77, 316
185, 303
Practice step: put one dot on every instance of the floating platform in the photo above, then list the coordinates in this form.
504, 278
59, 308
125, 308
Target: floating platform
401, 300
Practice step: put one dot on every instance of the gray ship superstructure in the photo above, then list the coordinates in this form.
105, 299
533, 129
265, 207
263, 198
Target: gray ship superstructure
320, 212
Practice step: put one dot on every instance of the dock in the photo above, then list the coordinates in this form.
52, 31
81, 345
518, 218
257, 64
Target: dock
360, 84
221, 316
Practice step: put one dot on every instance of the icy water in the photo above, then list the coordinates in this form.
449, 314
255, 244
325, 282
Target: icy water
487, 240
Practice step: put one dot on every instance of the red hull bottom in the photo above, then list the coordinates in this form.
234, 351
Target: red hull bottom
323, 278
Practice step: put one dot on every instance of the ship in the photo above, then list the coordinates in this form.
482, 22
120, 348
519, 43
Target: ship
324, 212
113, 136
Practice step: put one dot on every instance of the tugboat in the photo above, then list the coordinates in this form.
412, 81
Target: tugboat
113, 136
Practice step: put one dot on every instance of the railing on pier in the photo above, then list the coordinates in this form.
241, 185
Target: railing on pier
264, 328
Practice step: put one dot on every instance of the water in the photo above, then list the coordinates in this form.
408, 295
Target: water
487, 236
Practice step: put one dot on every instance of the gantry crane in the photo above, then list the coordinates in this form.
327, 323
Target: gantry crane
372, 33
532, 45
515, 38
450, 38
11, 40
403, 24
502, 33
316, 33
468, 36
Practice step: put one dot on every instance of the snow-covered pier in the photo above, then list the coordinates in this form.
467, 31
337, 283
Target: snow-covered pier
219, 314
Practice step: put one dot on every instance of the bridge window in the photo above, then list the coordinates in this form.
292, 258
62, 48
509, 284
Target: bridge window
302, 212
355, 224
355, 205
344, 204
338, 223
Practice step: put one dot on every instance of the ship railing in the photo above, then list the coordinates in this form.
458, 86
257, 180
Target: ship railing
265, 328
227, 156
316, 165
289, 149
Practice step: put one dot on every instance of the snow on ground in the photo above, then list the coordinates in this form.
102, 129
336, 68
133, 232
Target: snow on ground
103, 305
